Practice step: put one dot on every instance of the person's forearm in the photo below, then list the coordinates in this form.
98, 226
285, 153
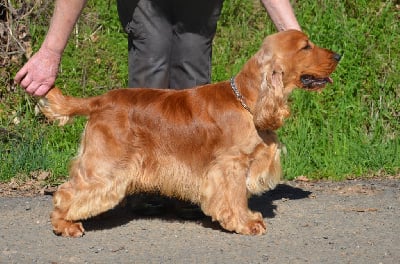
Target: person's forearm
66, 13
281, 13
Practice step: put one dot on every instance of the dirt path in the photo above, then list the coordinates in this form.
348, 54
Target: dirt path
348, 222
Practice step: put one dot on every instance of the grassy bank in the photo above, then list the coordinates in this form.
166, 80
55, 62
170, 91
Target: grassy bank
350, 129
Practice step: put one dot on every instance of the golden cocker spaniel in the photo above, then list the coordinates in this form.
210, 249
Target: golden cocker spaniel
213, 145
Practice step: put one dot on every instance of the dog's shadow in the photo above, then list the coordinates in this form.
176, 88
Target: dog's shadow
124, 213
264, 203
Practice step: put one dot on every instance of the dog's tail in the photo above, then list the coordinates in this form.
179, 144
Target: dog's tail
58, 107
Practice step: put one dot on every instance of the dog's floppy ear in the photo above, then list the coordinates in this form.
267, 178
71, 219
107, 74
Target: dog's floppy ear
275, 78
270, 108
271, 69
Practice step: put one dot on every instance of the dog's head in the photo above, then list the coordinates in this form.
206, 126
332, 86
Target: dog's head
295, 61
285, 61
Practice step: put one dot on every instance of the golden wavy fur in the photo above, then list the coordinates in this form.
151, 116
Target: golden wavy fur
199, 144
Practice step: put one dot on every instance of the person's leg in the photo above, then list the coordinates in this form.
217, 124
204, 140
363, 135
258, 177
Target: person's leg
149, 41
149, 44
194, 26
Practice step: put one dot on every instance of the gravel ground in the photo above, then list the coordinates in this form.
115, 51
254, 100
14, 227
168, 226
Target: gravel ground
355, 221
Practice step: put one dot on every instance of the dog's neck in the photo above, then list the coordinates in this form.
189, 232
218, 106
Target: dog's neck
239, 96
247, 82
266, 98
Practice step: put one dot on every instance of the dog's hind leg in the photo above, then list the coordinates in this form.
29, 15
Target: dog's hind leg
224, 196
87, 194
61, 201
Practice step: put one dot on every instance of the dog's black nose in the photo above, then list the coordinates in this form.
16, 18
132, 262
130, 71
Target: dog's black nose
337, 57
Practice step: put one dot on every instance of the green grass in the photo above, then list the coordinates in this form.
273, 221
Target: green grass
350, 129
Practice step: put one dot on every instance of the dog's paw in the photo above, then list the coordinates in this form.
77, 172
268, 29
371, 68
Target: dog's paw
256, 227
252, 224
69, 229
253, 227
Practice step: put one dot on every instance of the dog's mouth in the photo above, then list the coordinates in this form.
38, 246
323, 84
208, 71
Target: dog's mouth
314, 83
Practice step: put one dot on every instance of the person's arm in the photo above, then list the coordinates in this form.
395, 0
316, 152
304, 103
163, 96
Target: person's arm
38, 75
281, 13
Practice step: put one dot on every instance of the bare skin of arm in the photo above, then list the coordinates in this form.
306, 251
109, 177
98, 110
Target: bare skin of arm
281, 13
38, 75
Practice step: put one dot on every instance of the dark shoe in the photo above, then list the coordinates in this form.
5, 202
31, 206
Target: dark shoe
148, 205
188, 211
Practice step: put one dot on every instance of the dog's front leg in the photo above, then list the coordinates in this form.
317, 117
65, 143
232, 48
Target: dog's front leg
224, 196
265, 168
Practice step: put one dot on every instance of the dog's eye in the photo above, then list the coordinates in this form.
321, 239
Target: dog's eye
307, 46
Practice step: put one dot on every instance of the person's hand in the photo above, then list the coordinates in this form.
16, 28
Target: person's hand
38, 75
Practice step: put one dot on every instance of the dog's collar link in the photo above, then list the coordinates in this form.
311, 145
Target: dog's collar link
239, 96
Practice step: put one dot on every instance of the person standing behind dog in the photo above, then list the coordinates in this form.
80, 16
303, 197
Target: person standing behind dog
169, 41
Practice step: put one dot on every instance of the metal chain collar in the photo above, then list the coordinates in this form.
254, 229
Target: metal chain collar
239, 95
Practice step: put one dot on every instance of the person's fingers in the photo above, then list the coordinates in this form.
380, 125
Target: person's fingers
26, 81
38, 75
20, 75
42, 90
33, 86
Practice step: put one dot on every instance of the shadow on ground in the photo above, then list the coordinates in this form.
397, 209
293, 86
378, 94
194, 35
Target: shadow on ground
264, 203
173, 210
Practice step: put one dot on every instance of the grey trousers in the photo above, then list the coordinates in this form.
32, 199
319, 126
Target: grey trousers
169, 41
